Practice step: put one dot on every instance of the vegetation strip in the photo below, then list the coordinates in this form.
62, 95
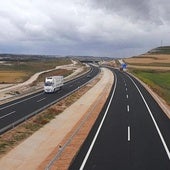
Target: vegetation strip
158, 81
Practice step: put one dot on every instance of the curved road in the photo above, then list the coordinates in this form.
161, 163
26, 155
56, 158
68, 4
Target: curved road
15, 112
131, 133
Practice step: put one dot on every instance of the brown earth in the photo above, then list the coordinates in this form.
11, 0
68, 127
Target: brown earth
12, 76
152, 58
149, 61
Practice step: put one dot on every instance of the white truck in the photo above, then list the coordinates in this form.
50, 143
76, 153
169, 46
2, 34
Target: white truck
53, 84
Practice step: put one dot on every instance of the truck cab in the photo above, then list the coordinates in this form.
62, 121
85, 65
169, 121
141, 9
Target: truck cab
53, 84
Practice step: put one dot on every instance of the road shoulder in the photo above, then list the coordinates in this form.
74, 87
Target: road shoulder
161, 102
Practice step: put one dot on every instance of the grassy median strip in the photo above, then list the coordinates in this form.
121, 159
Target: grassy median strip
159, 81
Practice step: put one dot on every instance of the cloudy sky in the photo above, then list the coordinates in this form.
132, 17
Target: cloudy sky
113, 28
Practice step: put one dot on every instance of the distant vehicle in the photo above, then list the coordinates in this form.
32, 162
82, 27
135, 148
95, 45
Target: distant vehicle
123, 67
88, 76
53, 84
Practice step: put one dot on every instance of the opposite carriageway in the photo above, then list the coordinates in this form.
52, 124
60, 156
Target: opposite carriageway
17, 111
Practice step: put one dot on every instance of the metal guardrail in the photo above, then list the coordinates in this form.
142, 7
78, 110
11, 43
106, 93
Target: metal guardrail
14, 124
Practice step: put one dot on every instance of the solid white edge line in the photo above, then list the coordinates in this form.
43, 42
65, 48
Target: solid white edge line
98, 130
129, 133
154, 121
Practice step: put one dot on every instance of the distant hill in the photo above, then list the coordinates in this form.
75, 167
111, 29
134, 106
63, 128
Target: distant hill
24, 57
160, 50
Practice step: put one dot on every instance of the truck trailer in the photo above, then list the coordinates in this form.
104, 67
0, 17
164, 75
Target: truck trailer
53, 84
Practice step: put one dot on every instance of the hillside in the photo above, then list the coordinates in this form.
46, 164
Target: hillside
160, 50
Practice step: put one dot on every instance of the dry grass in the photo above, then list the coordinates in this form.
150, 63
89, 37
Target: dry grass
159, 60
152, 58
63, 72
12, 76
17, 72
148, 67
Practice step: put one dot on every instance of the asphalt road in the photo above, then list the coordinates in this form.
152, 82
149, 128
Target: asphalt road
15, 112
131, 132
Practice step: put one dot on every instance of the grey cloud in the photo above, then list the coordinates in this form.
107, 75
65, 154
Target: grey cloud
87, 27
134, 10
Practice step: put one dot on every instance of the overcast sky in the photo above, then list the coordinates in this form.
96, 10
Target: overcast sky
113, 28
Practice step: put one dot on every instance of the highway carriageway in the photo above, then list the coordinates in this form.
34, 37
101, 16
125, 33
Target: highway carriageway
131, 133
17, 111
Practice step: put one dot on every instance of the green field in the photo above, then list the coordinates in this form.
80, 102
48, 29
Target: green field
159, 81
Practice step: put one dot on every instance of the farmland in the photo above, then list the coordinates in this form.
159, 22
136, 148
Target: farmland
159, 81
157, 61
20, 71
154, 70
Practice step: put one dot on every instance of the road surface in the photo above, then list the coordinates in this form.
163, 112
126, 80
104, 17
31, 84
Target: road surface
131, 133
14, 112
